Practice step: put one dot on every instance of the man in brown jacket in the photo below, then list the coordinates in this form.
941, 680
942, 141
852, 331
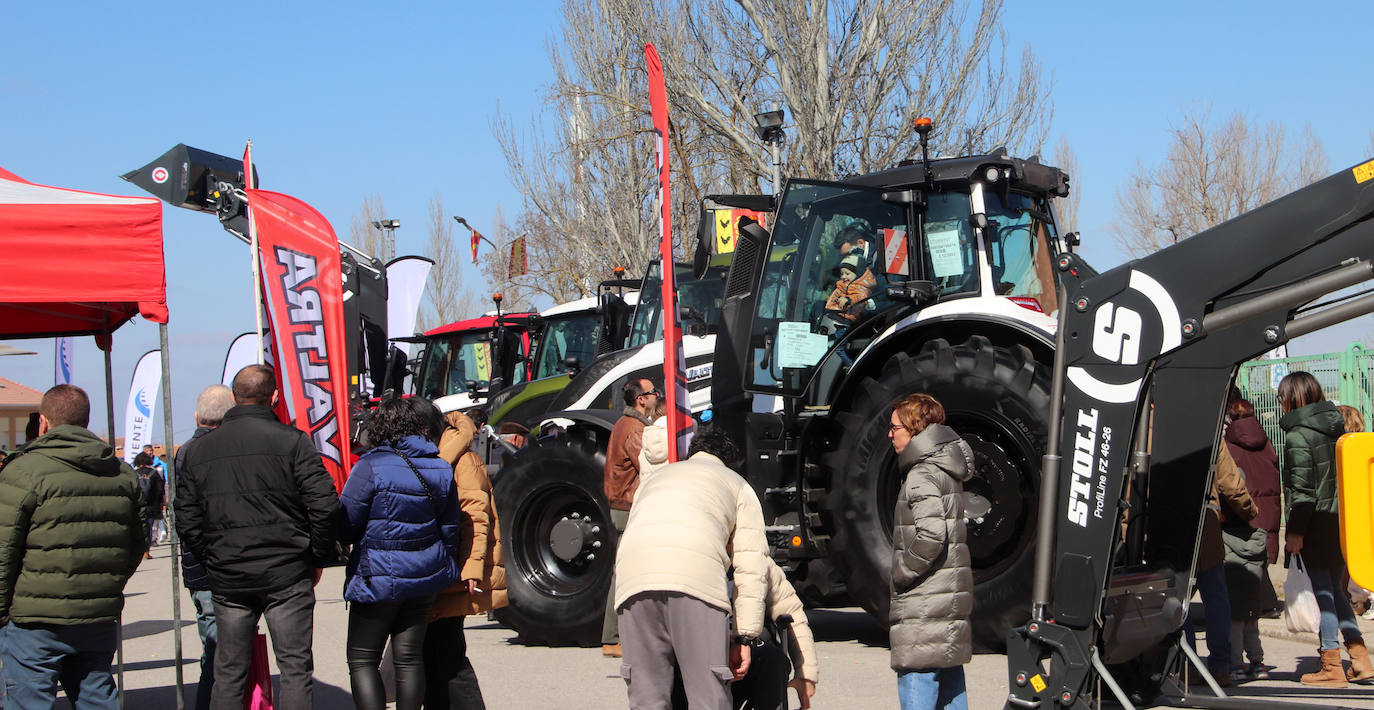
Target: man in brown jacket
450, 680
622, 480
1228, 497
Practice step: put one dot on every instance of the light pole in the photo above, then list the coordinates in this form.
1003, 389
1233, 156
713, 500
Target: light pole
768, 126
388, 227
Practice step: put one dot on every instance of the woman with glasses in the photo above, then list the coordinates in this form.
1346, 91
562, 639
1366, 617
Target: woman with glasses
932, 581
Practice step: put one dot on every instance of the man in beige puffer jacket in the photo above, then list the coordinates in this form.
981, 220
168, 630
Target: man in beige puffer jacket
690, 523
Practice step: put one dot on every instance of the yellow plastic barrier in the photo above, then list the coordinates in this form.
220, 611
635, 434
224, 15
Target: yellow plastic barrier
1355, 486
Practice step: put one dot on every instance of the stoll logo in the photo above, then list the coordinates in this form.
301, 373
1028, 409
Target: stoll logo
1117, 337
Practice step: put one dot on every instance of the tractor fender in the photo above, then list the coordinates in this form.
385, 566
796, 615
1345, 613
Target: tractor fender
910, 334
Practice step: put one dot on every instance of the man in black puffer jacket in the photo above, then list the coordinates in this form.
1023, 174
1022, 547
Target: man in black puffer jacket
256, 507
73, 528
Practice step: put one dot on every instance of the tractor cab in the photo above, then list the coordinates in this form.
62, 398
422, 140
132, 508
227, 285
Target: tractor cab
465, 363
848, 261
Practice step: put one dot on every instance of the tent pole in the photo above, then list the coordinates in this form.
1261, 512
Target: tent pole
109, 417
170, 514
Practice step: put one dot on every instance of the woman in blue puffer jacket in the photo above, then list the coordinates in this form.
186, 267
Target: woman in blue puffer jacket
401, 513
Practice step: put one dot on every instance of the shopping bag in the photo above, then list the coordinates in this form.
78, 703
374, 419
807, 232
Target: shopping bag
259, 695
1300, 612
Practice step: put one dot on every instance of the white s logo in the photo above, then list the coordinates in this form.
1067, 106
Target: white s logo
1116, 334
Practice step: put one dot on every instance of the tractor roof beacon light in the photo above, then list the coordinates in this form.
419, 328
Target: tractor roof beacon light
496, 298
923, 128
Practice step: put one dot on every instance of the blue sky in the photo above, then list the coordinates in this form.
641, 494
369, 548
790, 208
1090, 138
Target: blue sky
349, 99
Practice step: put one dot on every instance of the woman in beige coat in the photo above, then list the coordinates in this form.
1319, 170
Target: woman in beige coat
450, 678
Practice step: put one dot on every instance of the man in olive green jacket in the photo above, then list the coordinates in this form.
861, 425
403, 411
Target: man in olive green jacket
73, 528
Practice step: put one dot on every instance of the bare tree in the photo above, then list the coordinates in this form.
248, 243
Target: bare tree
852, 76
448, 298
361, 233
1210, 175
1066, 208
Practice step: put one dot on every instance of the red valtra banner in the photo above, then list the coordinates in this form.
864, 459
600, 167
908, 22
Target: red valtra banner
674, 362
303, 297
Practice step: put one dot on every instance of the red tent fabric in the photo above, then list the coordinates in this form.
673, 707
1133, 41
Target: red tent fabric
77, 263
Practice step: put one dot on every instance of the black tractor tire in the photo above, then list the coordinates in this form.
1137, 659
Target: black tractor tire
997, 399
554, 600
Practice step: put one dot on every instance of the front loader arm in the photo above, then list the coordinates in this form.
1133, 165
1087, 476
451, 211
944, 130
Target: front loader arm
1170, 328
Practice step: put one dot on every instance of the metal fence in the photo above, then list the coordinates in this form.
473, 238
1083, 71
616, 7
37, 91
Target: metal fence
1345, 379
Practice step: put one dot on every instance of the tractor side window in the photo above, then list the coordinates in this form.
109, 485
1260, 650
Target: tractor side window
950, 251
1019, 253
571, 337
436, 366
833, 252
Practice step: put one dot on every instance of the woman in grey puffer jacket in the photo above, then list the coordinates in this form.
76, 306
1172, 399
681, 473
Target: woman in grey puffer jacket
932, 582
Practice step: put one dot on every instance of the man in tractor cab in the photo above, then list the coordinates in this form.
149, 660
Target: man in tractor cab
622, 480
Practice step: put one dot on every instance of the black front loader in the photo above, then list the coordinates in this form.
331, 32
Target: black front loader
1146, 354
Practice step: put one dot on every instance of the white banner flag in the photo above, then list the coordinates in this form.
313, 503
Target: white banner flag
242, 353
405, 286
63, 361
143, 395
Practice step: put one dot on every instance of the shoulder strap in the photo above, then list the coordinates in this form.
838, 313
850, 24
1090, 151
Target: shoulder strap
423, 483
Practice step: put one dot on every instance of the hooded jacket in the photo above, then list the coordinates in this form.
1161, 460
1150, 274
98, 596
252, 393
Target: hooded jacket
1309, 480
479, 551
932, 579
1254, 454
405, 544
73, 528
653, 454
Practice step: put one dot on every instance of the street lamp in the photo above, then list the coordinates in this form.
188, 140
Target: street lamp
388, 227
768, 126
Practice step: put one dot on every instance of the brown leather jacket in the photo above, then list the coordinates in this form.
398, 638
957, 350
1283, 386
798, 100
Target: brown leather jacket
622, 459
480, 548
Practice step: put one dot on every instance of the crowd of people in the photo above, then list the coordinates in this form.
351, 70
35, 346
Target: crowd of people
698, 612
1241, 535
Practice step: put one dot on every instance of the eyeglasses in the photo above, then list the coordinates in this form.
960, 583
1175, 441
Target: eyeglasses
895, 427
655, 393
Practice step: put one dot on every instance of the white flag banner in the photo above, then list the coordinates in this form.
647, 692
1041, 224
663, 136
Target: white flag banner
242, 353
405, 286
143, 395
63, 360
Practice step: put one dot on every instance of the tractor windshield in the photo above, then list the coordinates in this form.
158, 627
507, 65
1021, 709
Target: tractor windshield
833, 252
453, 361
703, 297
1019, 239
571, 336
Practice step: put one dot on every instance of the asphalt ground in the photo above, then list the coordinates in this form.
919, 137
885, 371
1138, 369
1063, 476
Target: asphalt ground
851, 644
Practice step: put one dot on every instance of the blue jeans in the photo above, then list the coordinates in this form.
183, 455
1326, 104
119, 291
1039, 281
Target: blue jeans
1335, 608
205, 624
34, 658
1216, 608
939, 688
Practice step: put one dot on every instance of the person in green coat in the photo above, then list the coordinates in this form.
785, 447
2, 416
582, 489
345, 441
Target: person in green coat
1311, 424
73, 528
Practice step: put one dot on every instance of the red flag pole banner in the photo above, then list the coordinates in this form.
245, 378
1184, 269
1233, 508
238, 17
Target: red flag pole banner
253, 247
475, 239
302, 282
674, 362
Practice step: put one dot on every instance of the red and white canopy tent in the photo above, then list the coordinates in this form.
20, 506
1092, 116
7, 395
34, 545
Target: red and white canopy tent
84, 263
